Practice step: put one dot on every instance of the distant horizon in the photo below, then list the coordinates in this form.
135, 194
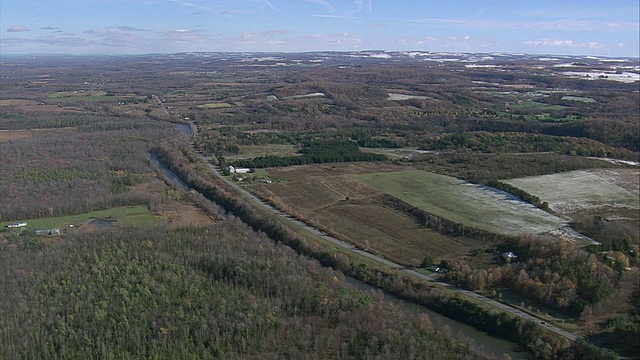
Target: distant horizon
140, 27
494, 53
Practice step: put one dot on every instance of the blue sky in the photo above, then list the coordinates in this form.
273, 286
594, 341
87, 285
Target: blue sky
587, 27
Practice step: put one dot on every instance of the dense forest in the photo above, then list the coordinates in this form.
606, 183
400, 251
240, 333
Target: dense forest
218, 292
557, 273
525, 142
78, 169
315, 152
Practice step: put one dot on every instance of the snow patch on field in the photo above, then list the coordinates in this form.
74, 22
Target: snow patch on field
625, 77
305, 96
469, 204
575, 191
399, 97
568, 234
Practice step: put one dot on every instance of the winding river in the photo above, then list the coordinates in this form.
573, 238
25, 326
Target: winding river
173, 177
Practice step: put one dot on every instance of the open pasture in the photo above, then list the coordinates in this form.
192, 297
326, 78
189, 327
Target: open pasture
462, 202
16, 102
293, 173
384, 231
316, 192
335, 197
313, 187
131, 216
581, 190
8, 135
220, 105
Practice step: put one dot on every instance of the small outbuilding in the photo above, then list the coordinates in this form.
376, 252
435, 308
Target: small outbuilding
509, 257
17, 225
51, 232
234, 170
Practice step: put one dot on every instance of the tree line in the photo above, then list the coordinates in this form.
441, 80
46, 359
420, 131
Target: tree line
314, 152
551, 271
217, 292
525, 142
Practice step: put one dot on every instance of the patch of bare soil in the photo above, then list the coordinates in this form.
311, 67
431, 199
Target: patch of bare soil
176, 211
179, 215
304, 171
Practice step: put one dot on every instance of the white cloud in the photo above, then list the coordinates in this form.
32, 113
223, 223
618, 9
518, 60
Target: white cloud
345, 38
263, 34
129, 28
61, 41
116, 39
564, 43
182, 36
18, 28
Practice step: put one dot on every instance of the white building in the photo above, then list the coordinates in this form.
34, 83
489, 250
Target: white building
233, 170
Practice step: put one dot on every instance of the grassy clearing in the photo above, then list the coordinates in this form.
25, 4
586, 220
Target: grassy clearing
66, 97
400, 97
462, 202
129, 216
8, 135
215, 106
536, 105
579, 98
351, 211
92, 98
69, 94
384, 231
574, 191
16, 102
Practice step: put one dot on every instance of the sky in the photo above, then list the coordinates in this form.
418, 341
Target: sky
587, 27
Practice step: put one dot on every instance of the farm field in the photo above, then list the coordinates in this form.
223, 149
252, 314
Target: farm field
8, 135
581, 190
214, 106
136, 215
462, 202
16, 102
385, 231
353, 211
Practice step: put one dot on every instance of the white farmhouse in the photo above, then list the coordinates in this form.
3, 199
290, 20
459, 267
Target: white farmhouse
234, 170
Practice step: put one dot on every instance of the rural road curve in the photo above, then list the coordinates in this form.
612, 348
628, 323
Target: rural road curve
391, 264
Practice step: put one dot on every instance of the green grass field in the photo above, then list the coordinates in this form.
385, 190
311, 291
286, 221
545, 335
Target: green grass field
90, 96
215, 106
128, 216
462, 202
536, 105
68, 94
